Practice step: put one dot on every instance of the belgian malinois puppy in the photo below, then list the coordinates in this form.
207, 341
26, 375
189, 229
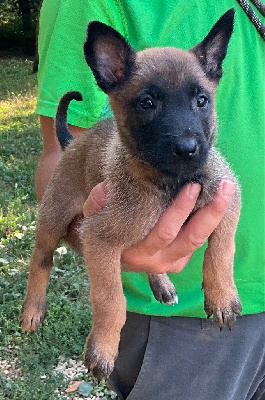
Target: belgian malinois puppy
160, 138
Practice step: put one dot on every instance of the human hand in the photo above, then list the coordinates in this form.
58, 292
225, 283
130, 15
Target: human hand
170, 244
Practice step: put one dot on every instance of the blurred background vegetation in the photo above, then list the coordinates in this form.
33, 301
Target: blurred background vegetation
18, 27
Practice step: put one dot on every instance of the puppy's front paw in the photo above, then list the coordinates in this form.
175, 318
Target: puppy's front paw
163, 289
98, 362
32, 314
223, 307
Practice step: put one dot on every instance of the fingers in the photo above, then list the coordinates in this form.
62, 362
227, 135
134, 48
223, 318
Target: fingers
178, 265
201, 225
168, 226
96, 199
148, 253
155, 265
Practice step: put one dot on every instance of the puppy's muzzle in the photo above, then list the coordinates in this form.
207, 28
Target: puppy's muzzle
180, 154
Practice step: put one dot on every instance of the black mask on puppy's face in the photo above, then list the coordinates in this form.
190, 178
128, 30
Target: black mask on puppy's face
172, 125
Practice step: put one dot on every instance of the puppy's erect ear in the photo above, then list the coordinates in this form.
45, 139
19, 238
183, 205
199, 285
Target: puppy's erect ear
212, 50
108, 54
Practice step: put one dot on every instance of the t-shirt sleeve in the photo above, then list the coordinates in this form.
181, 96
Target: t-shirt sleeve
62, 66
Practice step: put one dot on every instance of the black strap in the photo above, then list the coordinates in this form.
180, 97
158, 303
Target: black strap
260, 6
260, 27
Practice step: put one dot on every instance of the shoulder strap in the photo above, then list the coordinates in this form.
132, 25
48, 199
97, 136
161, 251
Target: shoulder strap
260, 27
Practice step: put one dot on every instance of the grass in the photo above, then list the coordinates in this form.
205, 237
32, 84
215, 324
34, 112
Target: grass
28, 362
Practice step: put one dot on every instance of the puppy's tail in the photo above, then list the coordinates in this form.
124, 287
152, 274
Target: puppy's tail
61, 125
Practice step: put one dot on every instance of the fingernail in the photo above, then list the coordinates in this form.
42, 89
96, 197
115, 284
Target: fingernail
194, 190
227, 189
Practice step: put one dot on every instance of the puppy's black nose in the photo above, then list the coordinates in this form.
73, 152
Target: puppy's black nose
186, 147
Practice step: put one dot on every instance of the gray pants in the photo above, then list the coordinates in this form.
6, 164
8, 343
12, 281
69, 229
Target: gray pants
179, 358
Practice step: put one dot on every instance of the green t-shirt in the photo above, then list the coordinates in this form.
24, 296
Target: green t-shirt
240, 106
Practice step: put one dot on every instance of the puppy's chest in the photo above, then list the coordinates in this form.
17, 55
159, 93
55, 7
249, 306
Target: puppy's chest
135, 205
136, 212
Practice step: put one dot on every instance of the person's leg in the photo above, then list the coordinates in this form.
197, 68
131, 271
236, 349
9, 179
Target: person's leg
131, 354
189, 358
260, 392
51, 154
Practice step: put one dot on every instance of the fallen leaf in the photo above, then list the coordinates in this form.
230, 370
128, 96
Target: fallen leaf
73, 387
85, 389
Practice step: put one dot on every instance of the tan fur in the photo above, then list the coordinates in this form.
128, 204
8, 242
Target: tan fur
136, 199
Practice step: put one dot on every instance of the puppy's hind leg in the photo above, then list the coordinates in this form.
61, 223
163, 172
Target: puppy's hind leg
163, 289
33, 310
51, 228
108, 306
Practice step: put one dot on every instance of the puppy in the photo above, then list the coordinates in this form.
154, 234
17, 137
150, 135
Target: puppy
160, 138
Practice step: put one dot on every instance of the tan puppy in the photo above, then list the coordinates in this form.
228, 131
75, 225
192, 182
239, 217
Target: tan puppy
160, 139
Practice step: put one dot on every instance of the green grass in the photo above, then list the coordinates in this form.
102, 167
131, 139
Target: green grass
33, 357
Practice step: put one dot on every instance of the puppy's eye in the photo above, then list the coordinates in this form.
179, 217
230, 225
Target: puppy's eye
202, 101
146, 103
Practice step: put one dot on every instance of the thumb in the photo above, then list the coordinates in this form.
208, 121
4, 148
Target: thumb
96, 199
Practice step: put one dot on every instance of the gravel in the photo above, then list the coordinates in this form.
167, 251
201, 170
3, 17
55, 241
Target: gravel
72, 371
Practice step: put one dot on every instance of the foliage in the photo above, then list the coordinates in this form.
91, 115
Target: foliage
18, 25
34, 356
